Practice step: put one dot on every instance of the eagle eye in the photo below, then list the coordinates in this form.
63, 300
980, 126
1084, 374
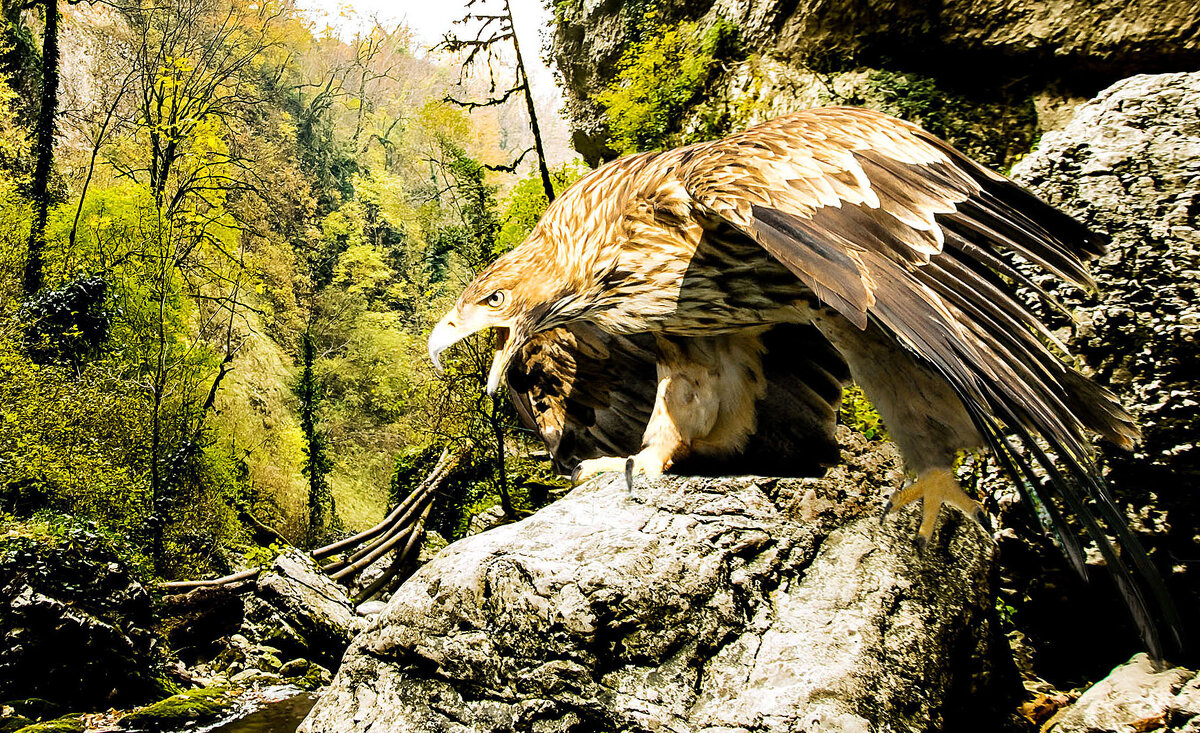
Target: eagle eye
495, 300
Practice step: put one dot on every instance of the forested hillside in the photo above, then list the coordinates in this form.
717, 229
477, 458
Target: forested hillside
215, 285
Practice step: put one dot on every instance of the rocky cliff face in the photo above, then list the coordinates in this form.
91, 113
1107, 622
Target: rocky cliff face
73, 620
987, 74
730, 604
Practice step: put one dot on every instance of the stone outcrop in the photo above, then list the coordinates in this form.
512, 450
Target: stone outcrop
301, 610
692, 604
74, 620
1134, 697
986, 74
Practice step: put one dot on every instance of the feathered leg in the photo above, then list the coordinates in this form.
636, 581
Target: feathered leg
682, 407
707, 388
925, 417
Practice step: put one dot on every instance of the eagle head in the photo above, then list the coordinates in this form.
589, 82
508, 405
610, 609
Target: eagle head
514, 296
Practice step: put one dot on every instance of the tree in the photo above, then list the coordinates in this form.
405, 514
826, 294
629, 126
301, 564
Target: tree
493, 31
198, 69
322, 512
43, 147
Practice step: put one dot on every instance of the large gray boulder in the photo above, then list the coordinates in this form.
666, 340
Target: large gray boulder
1134, 697
1128, 165
692, 604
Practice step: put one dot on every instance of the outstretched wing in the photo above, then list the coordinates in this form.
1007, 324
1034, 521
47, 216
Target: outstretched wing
887, 223
589, 393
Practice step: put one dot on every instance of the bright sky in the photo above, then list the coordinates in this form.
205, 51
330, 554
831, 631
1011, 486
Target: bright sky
430, 19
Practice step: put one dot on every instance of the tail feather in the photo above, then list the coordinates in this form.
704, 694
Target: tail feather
1084, 494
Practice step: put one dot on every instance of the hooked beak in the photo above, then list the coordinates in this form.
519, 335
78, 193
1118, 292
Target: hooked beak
446, 333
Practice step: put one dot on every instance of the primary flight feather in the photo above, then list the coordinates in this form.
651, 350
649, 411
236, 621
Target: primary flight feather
700, 309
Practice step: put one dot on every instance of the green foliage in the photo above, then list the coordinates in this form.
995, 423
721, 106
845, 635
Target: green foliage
14, 141
859, 414
1006, 613
257, 556
658, 80
235, 307
993, 131
63, 533
68, 441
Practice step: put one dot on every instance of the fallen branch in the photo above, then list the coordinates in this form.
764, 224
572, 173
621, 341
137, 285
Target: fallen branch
398, 563
406, 521
184, 585
383, 526
423, 500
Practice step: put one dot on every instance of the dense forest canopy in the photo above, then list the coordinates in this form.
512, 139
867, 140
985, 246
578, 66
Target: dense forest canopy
217, 325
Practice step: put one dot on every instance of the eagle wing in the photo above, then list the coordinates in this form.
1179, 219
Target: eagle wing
888, 224
586, 392
589, 393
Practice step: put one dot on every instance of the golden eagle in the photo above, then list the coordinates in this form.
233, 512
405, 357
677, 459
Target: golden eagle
701, 309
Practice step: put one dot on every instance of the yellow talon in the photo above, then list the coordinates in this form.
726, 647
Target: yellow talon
934, 488
647, 462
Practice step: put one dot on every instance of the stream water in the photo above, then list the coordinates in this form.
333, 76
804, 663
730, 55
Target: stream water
281, 716
272, 710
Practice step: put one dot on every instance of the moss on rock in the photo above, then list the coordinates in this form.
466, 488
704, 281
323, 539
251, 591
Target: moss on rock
660, 79
13, 723
194, 706
65, 724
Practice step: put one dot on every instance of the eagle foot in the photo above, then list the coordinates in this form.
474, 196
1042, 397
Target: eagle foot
642, 463
934, 488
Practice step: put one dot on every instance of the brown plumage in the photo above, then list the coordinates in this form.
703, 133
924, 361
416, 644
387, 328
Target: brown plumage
700, 309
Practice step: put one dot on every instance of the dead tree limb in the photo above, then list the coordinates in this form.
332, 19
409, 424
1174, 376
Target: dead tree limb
406, 523
388, 522
398, 563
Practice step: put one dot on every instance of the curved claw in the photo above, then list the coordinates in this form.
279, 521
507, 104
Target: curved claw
629, 474
575, 475
887, 509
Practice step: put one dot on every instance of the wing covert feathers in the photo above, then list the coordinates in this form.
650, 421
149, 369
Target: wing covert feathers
887, 223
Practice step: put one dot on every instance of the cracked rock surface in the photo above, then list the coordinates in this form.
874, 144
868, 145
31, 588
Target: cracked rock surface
692, 604
302, 610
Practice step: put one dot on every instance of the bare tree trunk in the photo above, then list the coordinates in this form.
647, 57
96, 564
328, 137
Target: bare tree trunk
158, 502
33, 275
100, 136
543, 169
